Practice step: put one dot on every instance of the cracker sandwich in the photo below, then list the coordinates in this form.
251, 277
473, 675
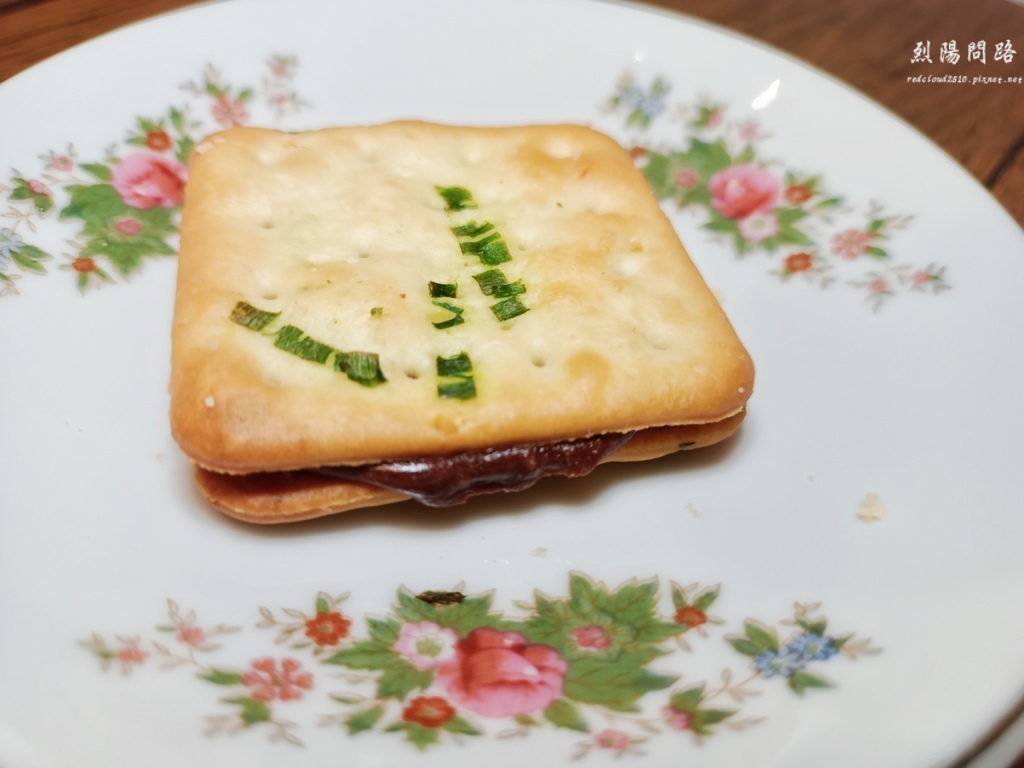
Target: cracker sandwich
371, 314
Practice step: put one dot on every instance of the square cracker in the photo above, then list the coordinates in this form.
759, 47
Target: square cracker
339, 232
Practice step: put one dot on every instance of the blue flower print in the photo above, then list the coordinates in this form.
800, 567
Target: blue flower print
786, 663
810, 646
9, 243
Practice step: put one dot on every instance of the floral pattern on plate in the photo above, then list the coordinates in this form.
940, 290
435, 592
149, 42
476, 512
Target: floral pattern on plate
444, 666
718, 170
126, 207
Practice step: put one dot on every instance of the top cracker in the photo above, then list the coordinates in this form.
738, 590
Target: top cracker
358, 294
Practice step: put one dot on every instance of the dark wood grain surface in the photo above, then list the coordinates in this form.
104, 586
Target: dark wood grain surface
867, 43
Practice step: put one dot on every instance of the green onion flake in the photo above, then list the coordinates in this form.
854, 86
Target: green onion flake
491, 250
509, 308
473, 230
485, 242
361, 367
252, 318
494, 283
455, 319
443, 290
455, 377
457, 389
454, 366
295, 340
456, 198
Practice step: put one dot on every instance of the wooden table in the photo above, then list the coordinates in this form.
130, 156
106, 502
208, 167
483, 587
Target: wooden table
868, 43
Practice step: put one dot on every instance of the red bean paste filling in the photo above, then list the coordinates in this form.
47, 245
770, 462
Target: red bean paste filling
444, 481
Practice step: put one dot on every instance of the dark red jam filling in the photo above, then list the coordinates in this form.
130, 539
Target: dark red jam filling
444, 481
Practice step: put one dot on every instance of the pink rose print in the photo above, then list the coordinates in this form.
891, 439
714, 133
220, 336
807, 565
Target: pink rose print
591, 637
496, 674
266, 683
878, 285
715, 119
132, 654
229, 112
680, 721
146, 181
61, 162
425, 645
38, 188
851, 243
191, 635
749, 132
741, 190
281, 67
687, 179
920, 277
283, 102
758, 227
128, 226
616, 741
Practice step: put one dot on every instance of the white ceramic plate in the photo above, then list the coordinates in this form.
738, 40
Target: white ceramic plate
838, 585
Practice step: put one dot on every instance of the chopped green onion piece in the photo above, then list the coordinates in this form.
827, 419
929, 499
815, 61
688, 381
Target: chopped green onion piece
446, 290
473, 230
456, 198
362, 367
457, 389
450, 322
490, 280
494, 283
446, 305
377, 311
476, 246
495, 253
294, 340
509, 289
455, 319
454, 366
491, 250
252, 318
509, 308
455, 377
